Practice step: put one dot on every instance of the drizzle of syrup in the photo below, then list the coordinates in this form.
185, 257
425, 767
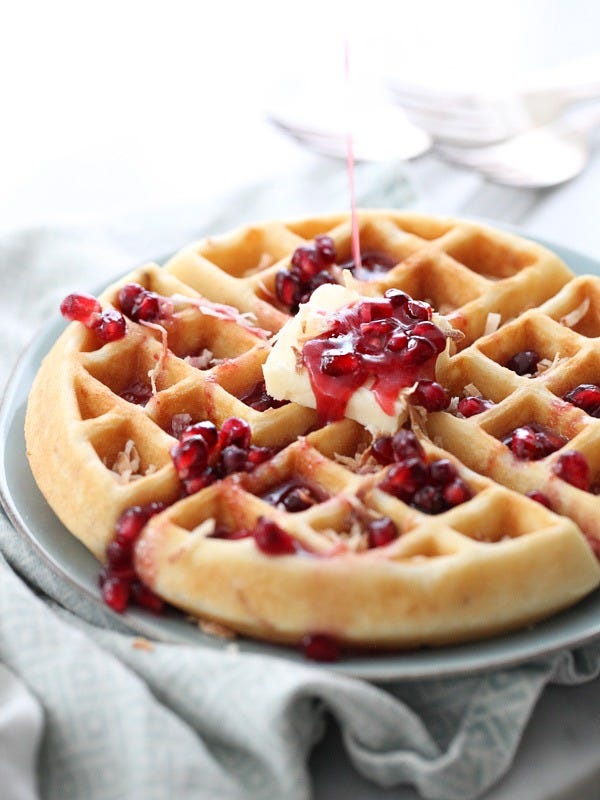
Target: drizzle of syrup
356, 256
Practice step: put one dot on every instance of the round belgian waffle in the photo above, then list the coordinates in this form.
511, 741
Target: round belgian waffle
493, 563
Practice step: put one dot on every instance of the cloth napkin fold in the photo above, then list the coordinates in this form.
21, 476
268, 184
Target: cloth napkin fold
124, 719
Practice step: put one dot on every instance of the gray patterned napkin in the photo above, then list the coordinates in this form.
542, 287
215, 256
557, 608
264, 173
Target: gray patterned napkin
122, 721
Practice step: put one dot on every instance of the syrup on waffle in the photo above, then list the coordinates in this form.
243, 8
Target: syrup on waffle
159, 447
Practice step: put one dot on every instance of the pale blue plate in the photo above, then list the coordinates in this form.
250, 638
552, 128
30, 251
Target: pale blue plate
35, 520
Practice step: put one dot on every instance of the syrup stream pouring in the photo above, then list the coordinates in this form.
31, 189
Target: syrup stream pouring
350, 157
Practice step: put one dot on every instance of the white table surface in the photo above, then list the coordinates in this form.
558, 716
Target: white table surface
83, 155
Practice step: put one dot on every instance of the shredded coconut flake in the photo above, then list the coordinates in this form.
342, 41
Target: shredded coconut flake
126, 466
544, 364
179, 422
472, 391
222, 311
156, 370
492, 323
203, 360
576, 315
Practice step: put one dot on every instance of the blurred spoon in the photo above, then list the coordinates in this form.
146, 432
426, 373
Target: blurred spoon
540, 158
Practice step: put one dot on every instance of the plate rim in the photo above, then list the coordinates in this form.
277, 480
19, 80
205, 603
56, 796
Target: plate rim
374, 667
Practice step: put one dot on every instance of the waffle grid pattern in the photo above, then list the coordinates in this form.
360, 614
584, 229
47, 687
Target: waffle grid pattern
467, 273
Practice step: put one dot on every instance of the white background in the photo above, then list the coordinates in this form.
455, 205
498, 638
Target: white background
111, 107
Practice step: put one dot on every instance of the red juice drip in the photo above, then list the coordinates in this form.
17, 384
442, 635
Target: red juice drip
350, 162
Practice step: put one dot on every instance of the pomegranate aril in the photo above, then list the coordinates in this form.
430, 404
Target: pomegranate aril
373, 310
148, 307
429, 499
587, 397
129, 525
305, 263
549, 441
431, 396
381, 531
470, 406
258, 398
190, 456
397, 342
524, 362
258, 455
232, 459
417, 311
406, 445
417, 351
206, 430
128, 297
326, 248
110, 326
221, 532
143, 596
442, 472
456, 492
397, 298
337, 364
80, 307
428, 330
118, 554
404, 479
381, 450
524, 445
573, 468
539, 497
116, 593
235, 431
199, 482
287, 289
320, 647
273, 540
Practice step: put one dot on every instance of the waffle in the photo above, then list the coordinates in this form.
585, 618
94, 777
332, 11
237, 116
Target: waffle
103, 421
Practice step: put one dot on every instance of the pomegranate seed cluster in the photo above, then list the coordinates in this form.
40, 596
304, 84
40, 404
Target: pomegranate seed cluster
142, 305
587, 397
389, 341
119, 583
532, 442
108, 325
205, 454
310, 267
431, 487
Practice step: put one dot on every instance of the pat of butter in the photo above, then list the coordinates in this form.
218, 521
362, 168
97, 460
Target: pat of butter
286, 378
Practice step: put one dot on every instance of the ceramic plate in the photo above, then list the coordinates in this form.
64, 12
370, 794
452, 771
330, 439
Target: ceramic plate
62, 552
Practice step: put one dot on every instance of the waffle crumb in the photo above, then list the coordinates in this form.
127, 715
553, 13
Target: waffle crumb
216, 629
142, 644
